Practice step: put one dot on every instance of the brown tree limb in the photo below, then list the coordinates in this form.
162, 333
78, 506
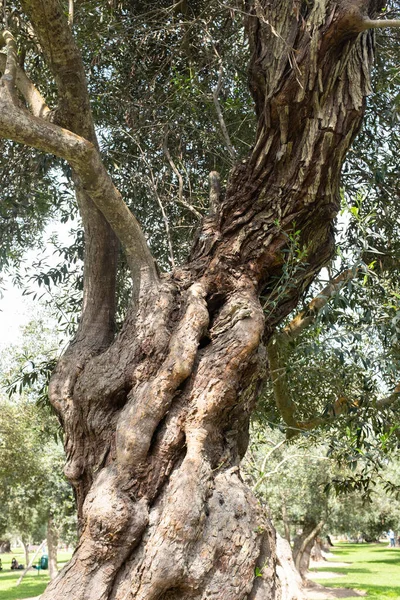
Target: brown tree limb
50, 24
10, 70
97, 323
70, 12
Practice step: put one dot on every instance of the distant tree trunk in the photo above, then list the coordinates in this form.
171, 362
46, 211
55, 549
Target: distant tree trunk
52, 544
5, 546
290, 580
25, 544
303, 544
285, 519
316, 551
156, 419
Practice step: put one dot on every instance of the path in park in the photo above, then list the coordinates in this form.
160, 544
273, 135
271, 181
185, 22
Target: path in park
319, 592
315, 591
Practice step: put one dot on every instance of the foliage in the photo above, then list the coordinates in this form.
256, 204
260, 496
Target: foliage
301, 483
33, 486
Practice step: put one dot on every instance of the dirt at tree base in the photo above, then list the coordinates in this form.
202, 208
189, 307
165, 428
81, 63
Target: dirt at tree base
315, 591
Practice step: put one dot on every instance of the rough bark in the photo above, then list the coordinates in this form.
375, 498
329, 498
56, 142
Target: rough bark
156, 418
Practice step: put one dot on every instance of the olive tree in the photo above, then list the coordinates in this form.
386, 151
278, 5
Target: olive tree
156, 415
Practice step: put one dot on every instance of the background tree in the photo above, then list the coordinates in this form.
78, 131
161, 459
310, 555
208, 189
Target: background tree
155, 417
37, 500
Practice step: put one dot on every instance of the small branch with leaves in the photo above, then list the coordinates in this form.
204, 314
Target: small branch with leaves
276, 349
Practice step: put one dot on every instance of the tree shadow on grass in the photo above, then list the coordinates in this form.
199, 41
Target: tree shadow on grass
376, 589
341, 570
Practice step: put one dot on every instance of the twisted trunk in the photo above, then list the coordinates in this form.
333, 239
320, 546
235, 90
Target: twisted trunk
156, 425
156, 420
303, 545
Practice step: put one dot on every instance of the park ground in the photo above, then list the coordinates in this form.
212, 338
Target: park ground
371, 569
34, 582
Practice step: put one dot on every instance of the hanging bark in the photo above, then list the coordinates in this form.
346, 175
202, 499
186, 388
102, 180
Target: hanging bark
156, 419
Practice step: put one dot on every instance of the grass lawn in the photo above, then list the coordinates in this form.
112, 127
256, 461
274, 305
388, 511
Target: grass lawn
34, 582
375, 568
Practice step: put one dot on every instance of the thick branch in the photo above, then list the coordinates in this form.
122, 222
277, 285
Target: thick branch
63, 57
97, 323
31, 94
18, 125
9, 76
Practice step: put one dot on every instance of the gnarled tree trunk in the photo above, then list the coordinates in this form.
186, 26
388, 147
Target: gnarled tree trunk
156, 419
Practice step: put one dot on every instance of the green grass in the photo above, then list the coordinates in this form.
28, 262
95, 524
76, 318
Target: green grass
34, 582
375, 568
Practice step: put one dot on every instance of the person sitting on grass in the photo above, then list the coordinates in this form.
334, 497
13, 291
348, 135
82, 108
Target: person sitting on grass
14, 564
1, 565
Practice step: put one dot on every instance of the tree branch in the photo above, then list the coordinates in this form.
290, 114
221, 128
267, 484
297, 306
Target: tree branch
50, 23
31, 94
97, 323
279, 341
18, 125
9, 76
380, 24
70, 12
216, 92
180, 179
306, 317
63, 57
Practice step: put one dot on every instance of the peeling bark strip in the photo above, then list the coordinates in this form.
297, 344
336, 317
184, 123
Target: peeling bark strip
156, 418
